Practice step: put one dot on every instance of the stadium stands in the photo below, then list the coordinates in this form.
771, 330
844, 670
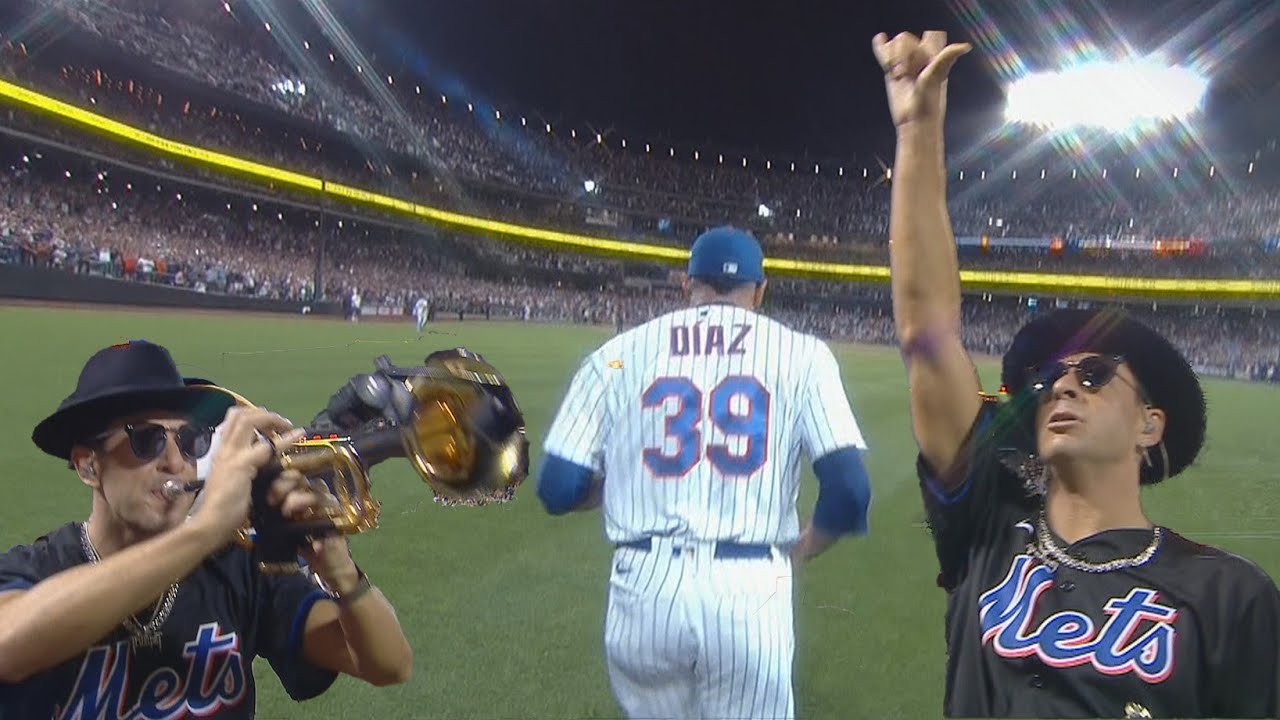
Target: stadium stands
424, 149
202, 79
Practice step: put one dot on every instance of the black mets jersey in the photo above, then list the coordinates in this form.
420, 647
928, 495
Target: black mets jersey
225, 615
1193, 632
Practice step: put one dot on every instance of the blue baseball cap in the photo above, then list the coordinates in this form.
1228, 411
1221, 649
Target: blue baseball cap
727, 253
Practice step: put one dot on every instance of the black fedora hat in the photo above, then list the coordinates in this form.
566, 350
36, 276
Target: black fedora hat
123, 379
1170, 381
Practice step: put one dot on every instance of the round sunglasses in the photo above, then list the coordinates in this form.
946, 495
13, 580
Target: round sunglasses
148, 440
1093, 373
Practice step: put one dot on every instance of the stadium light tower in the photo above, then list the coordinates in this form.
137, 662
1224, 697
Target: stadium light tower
1116, 96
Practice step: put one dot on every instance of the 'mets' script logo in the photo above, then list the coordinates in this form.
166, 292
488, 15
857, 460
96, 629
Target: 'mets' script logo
1069, 638
215, 679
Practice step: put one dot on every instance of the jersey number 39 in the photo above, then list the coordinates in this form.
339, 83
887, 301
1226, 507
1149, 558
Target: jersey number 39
750, 421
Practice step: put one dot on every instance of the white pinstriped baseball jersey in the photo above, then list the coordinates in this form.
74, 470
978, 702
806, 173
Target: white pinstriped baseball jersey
698, 421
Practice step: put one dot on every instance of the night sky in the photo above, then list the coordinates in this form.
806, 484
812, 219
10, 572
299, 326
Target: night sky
787, 76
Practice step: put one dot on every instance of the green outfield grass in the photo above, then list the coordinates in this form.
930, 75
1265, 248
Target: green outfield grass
504, 606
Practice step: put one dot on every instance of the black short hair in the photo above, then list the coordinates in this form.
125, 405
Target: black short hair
725, 286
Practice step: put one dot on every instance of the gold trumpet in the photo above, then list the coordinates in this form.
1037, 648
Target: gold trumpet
464, 436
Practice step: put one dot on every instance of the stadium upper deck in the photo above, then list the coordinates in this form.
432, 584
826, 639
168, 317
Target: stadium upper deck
126, 60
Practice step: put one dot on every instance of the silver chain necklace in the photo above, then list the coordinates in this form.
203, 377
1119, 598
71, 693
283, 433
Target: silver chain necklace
1048, 551
139, 635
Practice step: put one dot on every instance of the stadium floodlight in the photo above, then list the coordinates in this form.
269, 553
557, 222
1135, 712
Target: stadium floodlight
1112, 96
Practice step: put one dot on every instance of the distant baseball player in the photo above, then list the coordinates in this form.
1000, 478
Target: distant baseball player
355, 305
421, 311
690, 429
145, 610
1064, 599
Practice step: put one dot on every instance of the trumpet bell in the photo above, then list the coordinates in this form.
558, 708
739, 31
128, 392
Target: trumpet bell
440, 446
467, 440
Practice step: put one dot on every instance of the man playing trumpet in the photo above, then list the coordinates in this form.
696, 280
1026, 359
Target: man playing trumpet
146, 609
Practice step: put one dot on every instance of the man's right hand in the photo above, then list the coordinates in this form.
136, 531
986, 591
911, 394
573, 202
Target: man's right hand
915, 74
226, 499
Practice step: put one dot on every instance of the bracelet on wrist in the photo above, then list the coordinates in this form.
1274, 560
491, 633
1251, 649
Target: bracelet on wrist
363, 586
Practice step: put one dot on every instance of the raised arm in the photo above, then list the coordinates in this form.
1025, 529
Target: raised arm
925, 275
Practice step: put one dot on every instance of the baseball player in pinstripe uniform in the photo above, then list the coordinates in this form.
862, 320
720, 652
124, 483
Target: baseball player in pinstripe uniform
690, 429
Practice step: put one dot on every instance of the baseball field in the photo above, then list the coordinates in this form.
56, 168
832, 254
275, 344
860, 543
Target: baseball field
504, 606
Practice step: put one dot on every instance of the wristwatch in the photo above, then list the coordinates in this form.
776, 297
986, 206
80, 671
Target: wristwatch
362, 587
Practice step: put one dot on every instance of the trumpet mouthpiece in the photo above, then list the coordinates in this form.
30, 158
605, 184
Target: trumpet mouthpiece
173, 489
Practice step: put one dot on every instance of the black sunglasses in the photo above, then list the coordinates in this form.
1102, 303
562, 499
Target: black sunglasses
148, 440
1093, 373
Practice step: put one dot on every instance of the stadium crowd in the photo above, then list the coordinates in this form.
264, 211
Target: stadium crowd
217, 242
440, 145
351, 125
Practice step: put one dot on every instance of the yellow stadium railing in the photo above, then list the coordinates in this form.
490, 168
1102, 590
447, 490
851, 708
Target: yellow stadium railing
1005, 282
